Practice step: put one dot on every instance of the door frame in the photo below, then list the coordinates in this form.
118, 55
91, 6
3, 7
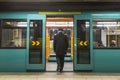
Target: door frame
36, 67
83, 67
72, 29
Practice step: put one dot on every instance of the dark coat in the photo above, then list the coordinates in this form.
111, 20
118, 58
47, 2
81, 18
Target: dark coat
60, 44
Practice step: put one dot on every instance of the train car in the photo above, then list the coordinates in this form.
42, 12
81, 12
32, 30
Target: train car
26, 40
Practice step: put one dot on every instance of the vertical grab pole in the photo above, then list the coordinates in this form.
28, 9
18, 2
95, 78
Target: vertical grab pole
116, 35
72, 44
108, 36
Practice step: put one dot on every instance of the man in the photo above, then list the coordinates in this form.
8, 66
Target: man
60, 48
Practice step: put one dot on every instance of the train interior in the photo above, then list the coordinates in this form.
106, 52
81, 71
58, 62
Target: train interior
52, 26
108, 30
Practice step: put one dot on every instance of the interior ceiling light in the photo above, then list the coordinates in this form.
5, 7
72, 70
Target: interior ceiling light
91, 0
8, 23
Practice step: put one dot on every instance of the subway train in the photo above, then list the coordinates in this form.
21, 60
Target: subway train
26, 40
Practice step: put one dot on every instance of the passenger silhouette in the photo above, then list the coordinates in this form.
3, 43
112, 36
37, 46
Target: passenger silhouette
60, 48
11, 44
113, 43
100, 44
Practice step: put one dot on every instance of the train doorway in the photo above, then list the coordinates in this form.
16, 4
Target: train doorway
52, 26
40, 34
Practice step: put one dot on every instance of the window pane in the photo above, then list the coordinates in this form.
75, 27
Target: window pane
83, 47
106, 33
35, 55
13, 33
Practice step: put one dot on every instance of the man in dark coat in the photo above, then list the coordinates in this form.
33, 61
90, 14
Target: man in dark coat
60, 48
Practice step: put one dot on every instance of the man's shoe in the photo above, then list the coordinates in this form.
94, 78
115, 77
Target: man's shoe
60, 70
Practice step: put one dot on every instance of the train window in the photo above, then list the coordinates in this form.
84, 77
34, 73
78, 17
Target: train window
106, 33
35, 52
83, 47
13, 33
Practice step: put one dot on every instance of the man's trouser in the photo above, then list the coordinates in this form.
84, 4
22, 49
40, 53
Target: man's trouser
60, 61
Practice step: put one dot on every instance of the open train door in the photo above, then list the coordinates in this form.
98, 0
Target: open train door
36, 42
83, 50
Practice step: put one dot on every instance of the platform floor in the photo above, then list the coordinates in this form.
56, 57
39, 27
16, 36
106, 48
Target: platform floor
59, 76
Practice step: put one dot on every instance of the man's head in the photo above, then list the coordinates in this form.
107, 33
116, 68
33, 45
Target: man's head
60, 30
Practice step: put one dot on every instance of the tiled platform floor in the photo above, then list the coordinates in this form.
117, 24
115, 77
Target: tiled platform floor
59, 76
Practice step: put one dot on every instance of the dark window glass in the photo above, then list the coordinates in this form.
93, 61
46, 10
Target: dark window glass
13, 33
83, 47
106, 33
0, 32
35, 56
